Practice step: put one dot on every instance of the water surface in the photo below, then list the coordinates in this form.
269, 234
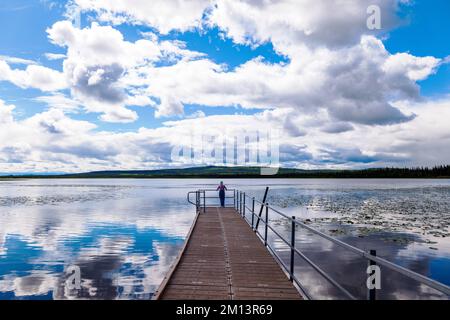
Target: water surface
125, 234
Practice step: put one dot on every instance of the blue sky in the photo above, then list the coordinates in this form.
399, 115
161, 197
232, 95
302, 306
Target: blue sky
274, 56
426, 32
29, 41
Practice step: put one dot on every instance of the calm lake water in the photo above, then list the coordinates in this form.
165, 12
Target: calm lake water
125, 234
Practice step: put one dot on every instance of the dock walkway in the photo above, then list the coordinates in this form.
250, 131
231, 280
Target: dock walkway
223, 259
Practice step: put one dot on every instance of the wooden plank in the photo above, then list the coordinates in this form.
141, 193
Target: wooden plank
223, 259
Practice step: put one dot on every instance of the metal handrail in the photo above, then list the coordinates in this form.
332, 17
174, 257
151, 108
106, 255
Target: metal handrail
367, 255
200, 197
312, 264
189, 197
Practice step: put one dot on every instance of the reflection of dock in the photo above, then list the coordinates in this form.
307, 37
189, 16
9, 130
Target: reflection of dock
224, 259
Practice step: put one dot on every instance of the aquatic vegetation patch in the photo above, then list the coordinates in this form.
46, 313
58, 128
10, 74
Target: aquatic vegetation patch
424, 211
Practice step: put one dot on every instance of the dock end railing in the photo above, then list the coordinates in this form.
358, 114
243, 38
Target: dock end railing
204, 198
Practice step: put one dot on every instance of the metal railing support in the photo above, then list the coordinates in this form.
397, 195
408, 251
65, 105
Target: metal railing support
237, 200
204, 201
291, 271
262, 207
196, 201
266, 227
243, 210
253, 212
240, 202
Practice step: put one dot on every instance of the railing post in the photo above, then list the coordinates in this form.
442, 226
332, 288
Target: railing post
234, 198
243, 207
372, 292
196, 201
292, 249
266, 224
240, 206
204, 201
240, 202
253, 212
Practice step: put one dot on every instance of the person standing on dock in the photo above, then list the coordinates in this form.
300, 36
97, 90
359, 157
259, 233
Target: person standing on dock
222, 188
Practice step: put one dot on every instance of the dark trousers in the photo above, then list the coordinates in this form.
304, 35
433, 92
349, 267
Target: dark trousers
222, 198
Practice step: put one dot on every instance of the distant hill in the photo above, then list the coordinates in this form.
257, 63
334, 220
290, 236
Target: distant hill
254, 172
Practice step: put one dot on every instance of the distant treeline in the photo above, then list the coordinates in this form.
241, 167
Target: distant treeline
254, 172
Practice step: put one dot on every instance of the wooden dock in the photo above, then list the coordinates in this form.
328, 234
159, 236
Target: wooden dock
223, 259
